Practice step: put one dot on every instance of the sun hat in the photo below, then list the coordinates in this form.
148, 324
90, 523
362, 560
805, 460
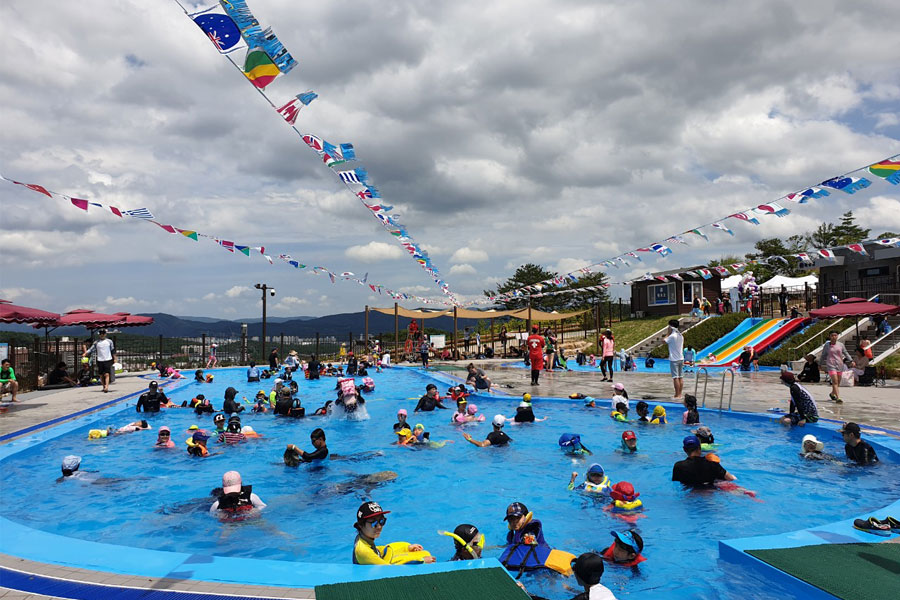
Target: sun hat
498, 421
193, 428
367, 510
702, 431
595, 469
218, 417
624, 492
690, 443
629, 539
231, 482
569, 440
628, 435
618, 386
278, 380
515, 510
788, 377
811, 438
405, 432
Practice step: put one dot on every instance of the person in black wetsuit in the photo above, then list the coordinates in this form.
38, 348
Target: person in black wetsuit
151, 399
856, 449
696, 470
231, 405
430, 400
293, 455
495, 438
312, 368
352, 364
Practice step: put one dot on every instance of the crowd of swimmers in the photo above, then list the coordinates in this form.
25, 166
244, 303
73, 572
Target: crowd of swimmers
526, 548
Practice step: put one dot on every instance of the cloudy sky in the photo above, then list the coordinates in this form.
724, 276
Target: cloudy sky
560, 132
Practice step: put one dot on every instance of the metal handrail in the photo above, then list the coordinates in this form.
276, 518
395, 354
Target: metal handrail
887, 352
730, 391
705, 384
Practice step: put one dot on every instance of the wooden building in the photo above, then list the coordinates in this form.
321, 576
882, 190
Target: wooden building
653, 297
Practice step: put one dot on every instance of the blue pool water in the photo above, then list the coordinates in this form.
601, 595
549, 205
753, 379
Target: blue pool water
160, 500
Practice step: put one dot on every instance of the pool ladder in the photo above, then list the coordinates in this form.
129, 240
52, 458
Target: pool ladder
721, 391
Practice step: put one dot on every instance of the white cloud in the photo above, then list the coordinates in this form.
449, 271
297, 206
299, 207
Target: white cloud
567, 265
22, 295
238, 290
289, 303
882, 214
374, 252
464, 269
469, 255
125, 302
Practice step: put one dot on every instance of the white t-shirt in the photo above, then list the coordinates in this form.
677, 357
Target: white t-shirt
619, 398
600, 592
675, 342
104, 349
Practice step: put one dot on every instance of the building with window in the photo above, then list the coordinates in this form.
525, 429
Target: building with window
654, 297
852, 274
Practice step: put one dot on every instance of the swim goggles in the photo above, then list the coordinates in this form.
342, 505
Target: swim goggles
375, 522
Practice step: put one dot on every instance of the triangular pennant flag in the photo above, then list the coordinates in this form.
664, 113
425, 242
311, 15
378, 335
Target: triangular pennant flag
188, 234
848, 184
858, 248
245, 250
82, 204
723, 228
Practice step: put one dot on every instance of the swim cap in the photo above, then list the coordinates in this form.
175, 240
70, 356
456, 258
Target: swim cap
279, 380
472, 409
71, 463
499, 420
402, 411
619, 387
85, 360
526, 397
465, 532
659, 411
419, 426
218, 417
247, 429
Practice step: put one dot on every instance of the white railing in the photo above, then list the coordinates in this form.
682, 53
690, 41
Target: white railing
890, 350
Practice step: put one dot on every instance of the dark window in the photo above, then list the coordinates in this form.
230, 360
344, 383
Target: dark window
874, 272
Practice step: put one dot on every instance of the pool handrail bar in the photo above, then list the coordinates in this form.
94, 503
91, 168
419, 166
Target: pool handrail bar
705, 384
730, 391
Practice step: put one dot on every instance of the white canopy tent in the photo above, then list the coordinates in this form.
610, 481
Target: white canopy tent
730, 282
776, 282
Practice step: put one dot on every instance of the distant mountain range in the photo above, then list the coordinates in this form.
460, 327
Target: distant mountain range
339, 325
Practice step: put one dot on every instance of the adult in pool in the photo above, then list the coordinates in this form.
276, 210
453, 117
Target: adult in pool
236, 499
525, 412
697, 470
370, 521
231, 405
150, 400
293, 455
856, 449
431, 400
497, 437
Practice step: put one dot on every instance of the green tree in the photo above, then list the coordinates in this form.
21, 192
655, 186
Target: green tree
848, 232
823, 237
724, 261
531, 274
770, 247
887, 234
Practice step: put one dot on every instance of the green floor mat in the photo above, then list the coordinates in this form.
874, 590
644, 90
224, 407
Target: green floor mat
470, 584
848, 571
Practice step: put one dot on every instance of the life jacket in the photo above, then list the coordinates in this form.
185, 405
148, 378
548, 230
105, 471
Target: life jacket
369, 383
597, 488
608, 556
623, 506
526, 549
237, 502
196, 449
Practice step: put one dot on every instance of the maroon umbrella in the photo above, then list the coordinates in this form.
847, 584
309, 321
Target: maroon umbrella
88, 318
130, 320
855, 307
10, 313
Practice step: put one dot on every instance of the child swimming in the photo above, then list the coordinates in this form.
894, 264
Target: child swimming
570, 443
620, 413
595, 481
629, 442
690, 416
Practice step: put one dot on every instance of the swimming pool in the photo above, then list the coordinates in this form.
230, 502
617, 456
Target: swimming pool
161, 500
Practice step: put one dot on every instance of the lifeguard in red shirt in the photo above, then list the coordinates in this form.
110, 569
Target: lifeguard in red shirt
535, 345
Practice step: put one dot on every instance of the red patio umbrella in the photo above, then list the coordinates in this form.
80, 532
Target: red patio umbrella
130, 321
11, 313
856, 308
88, 318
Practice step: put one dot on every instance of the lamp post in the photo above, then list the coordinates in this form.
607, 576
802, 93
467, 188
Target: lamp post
265, 288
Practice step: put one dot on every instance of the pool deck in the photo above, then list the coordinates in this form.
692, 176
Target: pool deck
38, 411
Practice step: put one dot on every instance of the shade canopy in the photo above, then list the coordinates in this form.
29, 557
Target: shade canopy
130, 320
782, 280
11, 313
855, 307
463, 313
88, 318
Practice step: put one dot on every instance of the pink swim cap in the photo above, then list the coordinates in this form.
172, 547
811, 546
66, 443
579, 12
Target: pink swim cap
472, 409
402, 411
619, 386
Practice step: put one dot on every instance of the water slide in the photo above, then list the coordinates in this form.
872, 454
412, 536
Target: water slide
761, 334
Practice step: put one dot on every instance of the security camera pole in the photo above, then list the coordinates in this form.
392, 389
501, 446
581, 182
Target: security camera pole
265, 288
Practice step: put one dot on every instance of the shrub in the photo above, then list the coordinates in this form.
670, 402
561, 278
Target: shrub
704, 334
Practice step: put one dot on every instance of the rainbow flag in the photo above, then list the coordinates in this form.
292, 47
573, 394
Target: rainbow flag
888, 170
259, 68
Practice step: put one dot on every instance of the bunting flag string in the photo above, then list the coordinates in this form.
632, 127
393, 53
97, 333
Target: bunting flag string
144, 214
230, 25
887, 169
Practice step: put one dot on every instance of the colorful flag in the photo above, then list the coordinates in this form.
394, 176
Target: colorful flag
677, 276
662, 249
82, 204
858, 248
313, 142
138, 213
245, 250
888, 169
188, 234
221, 29
889, 242
291, 109
705, 273
848, 184
723, 228
698, 232
826, 253
166, 228
633, 255
259, 68
803, 256
773, 208
349, 176
678, 239
738, 267
744, 216
722, 271
227, 245
807, 194
661, 277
